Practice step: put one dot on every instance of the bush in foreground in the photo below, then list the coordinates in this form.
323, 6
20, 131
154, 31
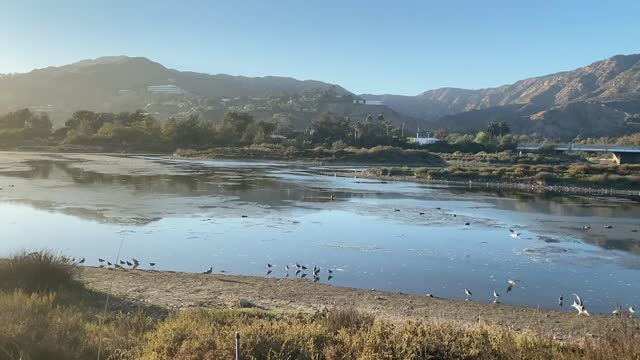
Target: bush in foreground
39, 271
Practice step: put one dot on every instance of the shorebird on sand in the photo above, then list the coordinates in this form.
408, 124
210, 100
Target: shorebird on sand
496, 297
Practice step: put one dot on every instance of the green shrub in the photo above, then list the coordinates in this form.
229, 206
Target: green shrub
545, 178
39, 271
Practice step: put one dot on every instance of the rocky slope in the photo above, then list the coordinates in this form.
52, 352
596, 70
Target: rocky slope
595, 99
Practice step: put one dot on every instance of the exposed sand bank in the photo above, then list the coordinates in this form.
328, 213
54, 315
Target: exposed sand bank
183, 290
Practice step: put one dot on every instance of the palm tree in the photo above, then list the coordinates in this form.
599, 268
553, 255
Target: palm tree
493, 130
503, 128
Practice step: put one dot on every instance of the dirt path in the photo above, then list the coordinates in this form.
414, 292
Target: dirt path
183, 290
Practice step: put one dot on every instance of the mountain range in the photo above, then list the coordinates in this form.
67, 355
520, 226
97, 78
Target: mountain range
596, 100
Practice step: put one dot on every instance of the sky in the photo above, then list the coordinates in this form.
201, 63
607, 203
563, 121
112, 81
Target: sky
394, 47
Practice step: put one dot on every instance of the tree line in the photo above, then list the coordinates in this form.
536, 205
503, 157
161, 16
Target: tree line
141, 131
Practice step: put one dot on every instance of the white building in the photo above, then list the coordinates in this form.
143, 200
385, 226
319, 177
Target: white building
425, 140
165, 89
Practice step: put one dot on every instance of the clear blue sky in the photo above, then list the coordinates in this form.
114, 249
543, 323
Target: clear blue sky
401, 47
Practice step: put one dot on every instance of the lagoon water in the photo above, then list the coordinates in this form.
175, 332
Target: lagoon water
239, 216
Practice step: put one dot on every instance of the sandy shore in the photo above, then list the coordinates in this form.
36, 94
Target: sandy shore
183, 290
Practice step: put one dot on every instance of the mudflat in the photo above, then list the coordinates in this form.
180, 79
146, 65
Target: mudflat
187, 290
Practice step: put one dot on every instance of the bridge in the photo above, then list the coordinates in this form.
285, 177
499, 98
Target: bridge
621, 154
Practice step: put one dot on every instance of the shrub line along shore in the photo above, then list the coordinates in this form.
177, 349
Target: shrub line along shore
492, 184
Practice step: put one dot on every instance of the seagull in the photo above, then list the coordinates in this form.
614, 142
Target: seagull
586, 227
397, 210
81, 261
512, 284
135, 261
208, 271
108, 263
101, 266
152, 264
298, 272
303, 276
514, 234
269, 265
330, 271
303, 267
631, 311
286, 268
496, 296
617, 310
129, 264
100, 260
467, 224
117, 266
608, 226
329, 277
468, 293
421, 213
122, 262
578, 305
561, 301
268, 272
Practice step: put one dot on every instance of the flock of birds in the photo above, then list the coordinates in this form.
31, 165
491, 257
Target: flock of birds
577, 301
133, 264
301, 272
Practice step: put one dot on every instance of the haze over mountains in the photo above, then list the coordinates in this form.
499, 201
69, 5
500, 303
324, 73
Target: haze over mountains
595, 100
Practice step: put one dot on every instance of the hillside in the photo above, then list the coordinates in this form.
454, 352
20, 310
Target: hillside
120, 83
597, 99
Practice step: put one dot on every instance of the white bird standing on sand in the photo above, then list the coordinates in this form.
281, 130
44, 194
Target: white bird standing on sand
468, 293
496, 296
617, 310
561, 301
515, 234
512, 284
578, 305
208, 271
